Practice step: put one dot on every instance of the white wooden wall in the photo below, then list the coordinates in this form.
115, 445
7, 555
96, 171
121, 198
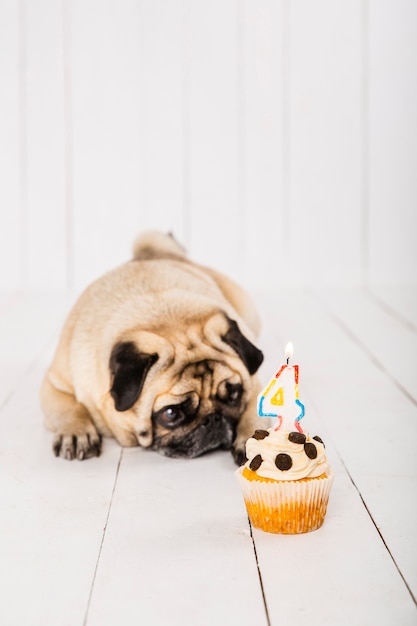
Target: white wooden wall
276, 138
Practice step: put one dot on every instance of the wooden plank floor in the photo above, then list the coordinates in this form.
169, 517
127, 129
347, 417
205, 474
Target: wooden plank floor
135, 538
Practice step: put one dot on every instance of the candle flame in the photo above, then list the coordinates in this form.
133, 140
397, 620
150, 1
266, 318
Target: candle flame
289, 350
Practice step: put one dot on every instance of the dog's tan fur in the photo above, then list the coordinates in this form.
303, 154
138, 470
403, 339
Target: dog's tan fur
168, 307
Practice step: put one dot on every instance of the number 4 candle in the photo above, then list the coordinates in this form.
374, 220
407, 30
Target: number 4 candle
280, 397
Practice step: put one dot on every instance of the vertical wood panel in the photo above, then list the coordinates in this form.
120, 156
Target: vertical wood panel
235, 124
212, 134
10, 215
393, 141
105, 143
325, 150
262, 181
161, 116
127, 128
45, 227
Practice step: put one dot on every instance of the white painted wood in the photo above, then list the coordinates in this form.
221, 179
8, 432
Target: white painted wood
45, 237
387, 402
393, 141
211, 134
338, 575
400, 301
396, 519
325, 143
28, 321
378, 450
262, 154
365, 417
53, 515
52, 512
11, 69
281, 135
177, 547
160, 31
391, 341
107, 161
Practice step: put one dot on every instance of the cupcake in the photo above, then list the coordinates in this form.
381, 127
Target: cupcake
286, 480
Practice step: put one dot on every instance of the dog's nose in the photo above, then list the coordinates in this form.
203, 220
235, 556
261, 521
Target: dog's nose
212, 419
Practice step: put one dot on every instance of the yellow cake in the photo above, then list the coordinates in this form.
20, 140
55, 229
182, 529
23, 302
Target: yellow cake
286, 481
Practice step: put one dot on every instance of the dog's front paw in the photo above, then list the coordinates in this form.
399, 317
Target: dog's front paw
239, 455
77, 446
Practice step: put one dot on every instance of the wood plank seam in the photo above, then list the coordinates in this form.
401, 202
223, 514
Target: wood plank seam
268, 621
372, 357
352, 335
389, 310
103, 539
379, 533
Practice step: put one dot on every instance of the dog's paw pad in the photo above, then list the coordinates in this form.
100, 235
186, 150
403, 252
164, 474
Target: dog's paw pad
79, 447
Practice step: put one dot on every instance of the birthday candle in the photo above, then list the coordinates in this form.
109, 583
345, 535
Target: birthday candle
279, 398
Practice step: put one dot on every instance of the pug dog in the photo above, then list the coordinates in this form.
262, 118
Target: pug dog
158, 353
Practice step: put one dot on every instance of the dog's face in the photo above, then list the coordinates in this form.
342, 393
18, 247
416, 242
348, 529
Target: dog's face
182, 390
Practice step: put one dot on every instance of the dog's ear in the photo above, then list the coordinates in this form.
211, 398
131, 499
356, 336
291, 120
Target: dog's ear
250, 355
129, 368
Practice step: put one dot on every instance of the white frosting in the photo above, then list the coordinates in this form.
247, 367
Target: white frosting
277, 442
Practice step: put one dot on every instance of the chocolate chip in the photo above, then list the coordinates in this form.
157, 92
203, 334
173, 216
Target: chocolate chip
317, 438
283, 461
310, 450
296, 437
255, 463
260, 434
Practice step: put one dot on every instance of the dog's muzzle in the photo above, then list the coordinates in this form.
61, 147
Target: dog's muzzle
214, 431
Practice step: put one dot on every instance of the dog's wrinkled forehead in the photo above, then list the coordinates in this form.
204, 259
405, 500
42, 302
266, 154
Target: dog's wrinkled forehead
197, 334
215, 338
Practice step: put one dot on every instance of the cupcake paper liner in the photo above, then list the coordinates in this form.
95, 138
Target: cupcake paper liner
286, 507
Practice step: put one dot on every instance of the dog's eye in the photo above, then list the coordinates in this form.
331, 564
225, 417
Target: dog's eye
171, 416
233, 393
